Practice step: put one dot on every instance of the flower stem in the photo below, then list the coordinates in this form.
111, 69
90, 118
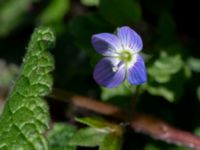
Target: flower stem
133, 103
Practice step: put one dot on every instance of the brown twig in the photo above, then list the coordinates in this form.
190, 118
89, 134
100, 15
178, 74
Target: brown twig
143, 123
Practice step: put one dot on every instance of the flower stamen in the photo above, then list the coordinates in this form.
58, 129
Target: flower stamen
126, 56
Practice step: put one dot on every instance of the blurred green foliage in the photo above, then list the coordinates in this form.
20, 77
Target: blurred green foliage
55, 12
12, 14
8, 73
122, 12
122, 90
106, 135
194, 64
164, 67
170, 51
90, 2
60, 136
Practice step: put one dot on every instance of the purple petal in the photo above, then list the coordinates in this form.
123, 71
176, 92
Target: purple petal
136, 74
106, 44
130, 39
109, 72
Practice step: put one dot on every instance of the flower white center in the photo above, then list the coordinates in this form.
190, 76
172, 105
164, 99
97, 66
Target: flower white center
125, 56
128, 57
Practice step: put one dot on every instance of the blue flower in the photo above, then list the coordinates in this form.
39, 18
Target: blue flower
121, 58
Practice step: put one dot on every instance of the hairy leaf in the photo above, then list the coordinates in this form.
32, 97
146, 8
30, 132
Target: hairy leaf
25, 116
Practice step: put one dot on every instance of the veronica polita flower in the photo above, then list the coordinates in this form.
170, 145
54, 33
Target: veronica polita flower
121, 59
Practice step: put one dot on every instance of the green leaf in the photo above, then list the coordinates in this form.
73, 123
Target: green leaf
25, 117
60, 136
55, 11
187, 71
161, 91
100, 124
111, 141
194, 64
198, 93
87, 137
100, 132
162, 69
168, 90
96, 122
197, 131
165, 72
120, 12
179, 148
157, 146
151, 147
122, 90
12, 13
90, 2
